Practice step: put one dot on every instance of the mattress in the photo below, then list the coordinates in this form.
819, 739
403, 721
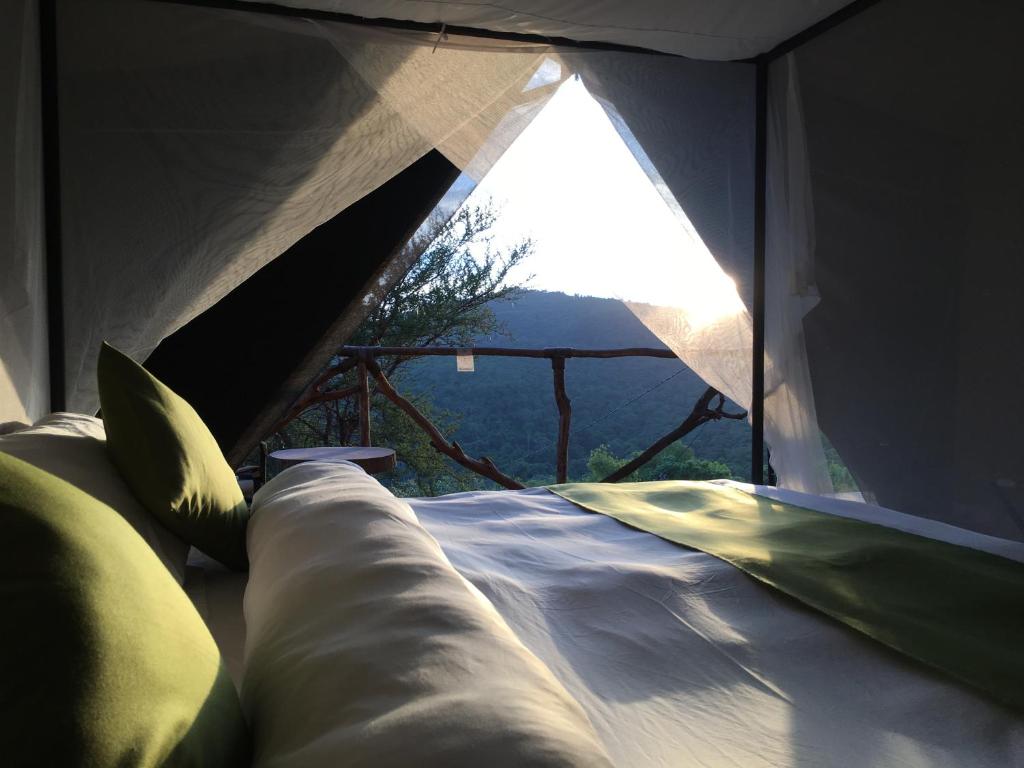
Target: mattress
680, 659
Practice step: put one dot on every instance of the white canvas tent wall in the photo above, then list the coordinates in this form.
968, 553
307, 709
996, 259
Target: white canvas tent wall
828, 85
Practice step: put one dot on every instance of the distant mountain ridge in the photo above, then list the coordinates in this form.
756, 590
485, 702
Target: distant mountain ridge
507, 406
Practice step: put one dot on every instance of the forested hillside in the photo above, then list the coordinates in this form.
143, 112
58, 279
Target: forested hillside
506, 409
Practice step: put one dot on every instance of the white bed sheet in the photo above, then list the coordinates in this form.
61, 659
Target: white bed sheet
680, 659
217, 593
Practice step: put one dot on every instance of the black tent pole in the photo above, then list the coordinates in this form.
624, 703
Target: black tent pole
816, 30
760, 180
761, 63
51, 200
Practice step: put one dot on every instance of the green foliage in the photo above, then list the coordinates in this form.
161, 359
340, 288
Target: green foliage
507, 405
842, 479
677, 462
457, 293
506, 409
445, 299
602, 462
422, 470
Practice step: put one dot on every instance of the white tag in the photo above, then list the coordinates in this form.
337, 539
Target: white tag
464, 361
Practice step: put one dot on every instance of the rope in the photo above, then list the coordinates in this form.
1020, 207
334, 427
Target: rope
642, 395
696, 432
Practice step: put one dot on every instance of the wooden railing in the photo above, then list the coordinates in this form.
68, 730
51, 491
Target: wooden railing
710, 406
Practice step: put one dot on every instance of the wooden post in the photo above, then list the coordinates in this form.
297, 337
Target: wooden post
364, 405
365, 360
564, 416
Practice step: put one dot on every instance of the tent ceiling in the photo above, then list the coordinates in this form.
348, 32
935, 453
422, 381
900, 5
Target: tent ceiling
721, 30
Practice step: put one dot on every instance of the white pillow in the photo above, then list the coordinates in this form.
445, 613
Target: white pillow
73, 447
365, 647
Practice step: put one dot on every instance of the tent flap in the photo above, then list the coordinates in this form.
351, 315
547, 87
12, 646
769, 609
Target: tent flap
263, 342
200, 144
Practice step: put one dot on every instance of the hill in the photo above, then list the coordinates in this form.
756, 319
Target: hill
506, 407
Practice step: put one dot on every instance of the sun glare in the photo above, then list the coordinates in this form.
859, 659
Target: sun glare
600, 224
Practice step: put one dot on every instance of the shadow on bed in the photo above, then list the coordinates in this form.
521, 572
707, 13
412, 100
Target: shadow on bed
701, 659
751, 649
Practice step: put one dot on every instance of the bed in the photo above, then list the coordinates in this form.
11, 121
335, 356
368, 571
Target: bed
679, 658
520, 628
676, 657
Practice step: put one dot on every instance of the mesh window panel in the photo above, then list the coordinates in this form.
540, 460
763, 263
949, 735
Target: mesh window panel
914, 123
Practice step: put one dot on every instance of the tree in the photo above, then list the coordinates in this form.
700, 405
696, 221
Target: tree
441, 301
443, 298
602, 462
677, 462
842, 478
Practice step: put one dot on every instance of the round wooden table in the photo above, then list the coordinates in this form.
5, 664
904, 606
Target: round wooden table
373, 460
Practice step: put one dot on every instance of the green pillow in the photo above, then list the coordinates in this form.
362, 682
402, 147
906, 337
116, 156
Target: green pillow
104, 660
171, 461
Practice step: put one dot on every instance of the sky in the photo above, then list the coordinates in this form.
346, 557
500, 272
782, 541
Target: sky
600, 225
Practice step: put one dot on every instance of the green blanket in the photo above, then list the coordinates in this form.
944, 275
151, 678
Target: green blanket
954, 608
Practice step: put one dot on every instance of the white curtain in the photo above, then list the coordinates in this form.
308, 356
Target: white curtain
690, 126
791, 423
200, 144
24, 382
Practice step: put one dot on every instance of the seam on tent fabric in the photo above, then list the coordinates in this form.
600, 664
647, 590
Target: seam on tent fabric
516, 12
471, 118
340, 17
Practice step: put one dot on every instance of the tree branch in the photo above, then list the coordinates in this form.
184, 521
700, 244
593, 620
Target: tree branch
701, 414
483, 466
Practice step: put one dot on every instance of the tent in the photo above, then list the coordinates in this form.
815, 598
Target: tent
175, 172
